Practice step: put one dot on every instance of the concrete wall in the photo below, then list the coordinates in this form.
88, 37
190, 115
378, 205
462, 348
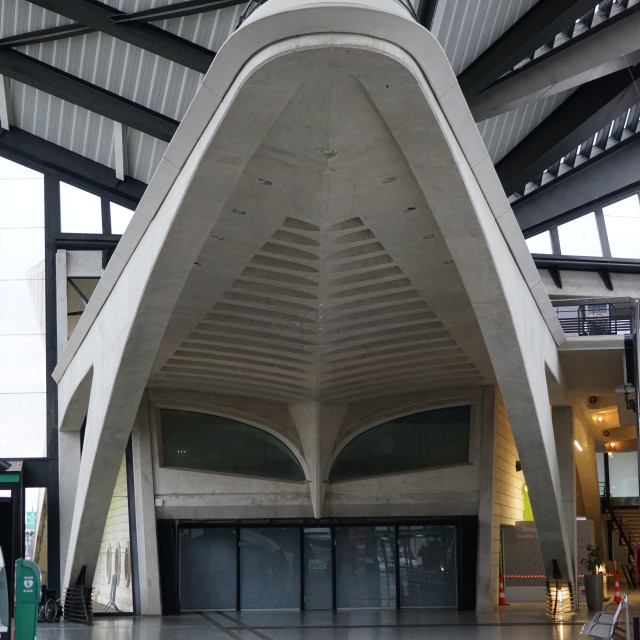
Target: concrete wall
450, 490
115, 551
507, 487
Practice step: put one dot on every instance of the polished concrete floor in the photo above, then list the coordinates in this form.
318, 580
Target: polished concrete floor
517, 621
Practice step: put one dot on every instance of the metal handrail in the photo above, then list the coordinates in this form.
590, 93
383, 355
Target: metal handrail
626, 535
595, 316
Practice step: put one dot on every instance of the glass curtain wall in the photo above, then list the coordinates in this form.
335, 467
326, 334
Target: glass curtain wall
289, 567
22, 325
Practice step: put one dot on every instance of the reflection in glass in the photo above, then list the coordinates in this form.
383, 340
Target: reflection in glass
318, 566
80, 211
35, 535
540, 243
427, 558
580, 237
417, 441
207, 569
270, 568
4, 596
365, 567
622, 220
202, 441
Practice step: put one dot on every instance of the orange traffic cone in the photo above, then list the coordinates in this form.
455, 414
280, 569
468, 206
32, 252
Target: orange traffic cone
616, 590
502, 599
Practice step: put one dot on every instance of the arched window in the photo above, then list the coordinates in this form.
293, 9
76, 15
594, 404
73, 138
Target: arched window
418, 441
206, 442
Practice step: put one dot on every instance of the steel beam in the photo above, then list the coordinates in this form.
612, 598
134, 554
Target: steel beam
44, 35
34, 73
587, 110
177, 10
98, 16
426, 12
603, 177
537, 27
604, 51
46, 157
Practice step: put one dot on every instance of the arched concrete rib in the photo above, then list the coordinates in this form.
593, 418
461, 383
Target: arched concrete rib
241, 97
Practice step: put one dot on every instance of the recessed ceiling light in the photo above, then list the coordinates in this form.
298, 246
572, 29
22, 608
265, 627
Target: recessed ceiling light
428, 236
389, 179
408, 209
328, 153
215, 237
264, 181
447, 262
197, 264
240, 212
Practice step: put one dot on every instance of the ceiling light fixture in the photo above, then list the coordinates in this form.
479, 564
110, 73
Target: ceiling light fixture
328, 153
264, 181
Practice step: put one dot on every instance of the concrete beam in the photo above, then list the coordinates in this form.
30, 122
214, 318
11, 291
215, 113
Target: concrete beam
603, 52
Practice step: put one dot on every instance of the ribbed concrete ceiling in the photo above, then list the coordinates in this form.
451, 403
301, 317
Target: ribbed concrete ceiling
352, 292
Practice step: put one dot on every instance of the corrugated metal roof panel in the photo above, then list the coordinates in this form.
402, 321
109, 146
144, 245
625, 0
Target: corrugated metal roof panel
465, 29
504, 132
124, 69
208, 29
18, 16
62, 123
144, 154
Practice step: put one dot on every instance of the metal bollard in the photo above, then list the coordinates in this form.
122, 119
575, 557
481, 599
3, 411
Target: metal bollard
636, 628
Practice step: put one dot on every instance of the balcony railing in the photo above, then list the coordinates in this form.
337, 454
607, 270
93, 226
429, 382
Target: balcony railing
595, 316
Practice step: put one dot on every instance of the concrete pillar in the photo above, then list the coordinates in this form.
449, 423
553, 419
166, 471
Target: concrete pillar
61, 300
317, 424
69, 467
563, 432
148, 576
488, 543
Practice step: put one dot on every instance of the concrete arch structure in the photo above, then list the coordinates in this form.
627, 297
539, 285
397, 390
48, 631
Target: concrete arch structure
326, 228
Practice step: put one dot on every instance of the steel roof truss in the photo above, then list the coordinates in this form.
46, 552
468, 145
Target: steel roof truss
100, 16
78, 91
587, 110
539, 25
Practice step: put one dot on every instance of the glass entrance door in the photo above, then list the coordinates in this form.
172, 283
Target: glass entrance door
427, 559
318, 568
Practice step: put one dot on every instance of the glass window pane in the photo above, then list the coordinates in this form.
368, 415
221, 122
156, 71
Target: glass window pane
120, 218
318, 567
22, 252
212, 443
622, 220
418, 441
580, 237
270, 568
365, 567
428, 566
21, 196
22, 428
27, 357
22, 300
80, 211
540, 243
207, 569
4, 596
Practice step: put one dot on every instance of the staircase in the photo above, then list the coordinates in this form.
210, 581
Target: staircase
626, 521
